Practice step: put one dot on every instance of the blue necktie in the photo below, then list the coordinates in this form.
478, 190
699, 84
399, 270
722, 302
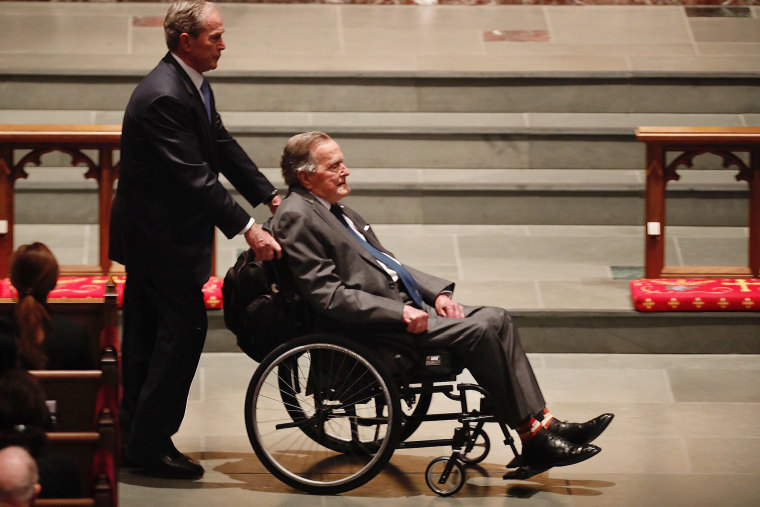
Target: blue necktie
409, 283
206, 92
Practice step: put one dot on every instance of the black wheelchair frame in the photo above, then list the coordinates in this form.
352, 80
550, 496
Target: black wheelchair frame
324, 413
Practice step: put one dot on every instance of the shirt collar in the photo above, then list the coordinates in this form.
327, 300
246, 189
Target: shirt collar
195, 76
321, 201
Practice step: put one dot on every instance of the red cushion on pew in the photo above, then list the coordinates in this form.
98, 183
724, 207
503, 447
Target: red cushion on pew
212, 291
82, 287
70, 287
695, 295
5, 288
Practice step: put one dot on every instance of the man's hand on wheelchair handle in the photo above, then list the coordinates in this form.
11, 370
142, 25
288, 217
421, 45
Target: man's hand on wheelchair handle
445, 307
264, 245
416, 320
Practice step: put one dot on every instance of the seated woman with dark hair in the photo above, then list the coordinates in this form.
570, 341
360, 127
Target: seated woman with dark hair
23, 420
44, 341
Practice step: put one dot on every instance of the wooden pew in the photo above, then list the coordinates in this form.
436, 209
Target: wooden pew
75, 394
85, 449
76, 398
100, 316
87, 400
64, 502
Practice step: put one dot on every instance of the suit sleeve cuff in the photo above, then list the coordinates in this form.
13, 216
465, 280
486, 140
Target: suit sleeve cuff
251, 221
271, 196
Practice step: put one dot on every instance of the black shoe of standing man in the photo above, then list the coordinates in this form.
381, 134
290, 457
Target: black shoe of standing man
580, 433
169, 463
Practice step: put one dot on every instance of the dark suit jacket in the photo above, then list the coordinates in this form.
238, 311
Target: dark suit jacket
338, 276
169, 197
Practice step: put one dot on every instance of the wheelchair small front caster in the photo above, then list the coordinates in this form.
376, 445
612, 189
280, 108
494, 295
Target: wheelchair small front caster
477, 448
445, 475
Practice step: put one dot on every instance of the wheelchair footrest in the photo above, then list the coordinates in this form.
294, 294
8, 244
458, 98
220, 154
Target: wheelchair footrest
416, 444
475, 418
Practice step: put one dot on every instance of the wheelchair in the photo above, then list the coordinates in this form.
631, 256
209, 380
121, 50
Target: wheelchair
324, 414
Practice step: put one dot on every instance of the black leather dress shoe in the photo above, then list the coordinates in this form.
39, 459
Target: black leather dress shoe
126, 462
580, 433
172, 464
547, 450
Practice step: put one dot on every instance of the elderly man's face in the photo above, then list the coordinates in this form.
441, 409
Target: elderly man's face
328, 181
204, 51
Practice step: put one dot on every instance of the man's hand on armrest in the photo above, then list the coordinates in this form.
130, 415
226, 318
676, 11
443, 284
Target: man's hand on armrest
416, 320
264, 245
445, 307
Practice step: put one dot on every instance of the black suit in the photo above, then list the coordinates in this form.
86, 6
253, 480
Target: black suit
347, 288
167, 203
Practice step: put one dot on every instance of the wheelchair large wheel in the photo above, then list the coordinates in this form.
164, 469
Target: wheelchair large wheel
322, 417
414, 406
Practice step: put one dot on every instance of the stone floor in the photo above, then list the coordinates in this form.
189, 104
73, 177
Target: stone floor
517, 267
685, 434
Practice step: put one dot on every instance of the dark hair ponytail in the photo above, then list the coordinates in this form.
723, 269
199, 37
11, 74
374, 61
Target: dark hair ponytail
34, 273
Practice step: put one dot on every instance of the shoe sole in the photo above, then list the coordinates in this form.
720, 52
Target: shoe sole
538, 468
158, 472
168, 475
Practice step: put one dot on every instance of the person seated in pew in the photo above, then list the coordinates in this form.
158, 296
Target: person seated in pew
8, 353
45, 341
24, 418
18, 478
352, 282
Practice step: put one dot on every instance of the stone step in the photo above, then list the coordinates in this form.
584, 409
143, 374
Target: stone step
553, 92
567, 286
444, 140
600, 331
453, 196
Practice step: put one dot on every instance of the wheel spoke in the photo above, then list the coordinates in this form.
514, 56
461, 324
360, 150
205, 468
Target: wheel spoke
322, 418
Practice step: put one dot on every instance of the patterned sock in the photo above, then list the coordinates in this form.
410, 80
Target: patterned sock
528, 429
545, 417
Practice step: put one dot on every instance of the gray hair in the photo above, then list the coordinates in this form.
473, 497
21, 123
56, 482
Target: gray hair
184, 16
297, 157
18, 476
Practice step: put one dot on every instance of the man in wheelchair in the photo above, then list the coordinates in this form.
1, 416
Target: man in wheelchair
351, 281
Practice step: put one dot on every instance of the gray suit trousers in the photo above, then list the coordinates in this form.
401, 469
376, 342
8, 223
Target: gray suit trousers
487, 343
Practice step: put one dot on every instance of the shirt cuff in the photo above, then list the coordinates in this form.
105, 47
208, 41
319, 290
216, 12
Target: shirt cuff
251, 221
